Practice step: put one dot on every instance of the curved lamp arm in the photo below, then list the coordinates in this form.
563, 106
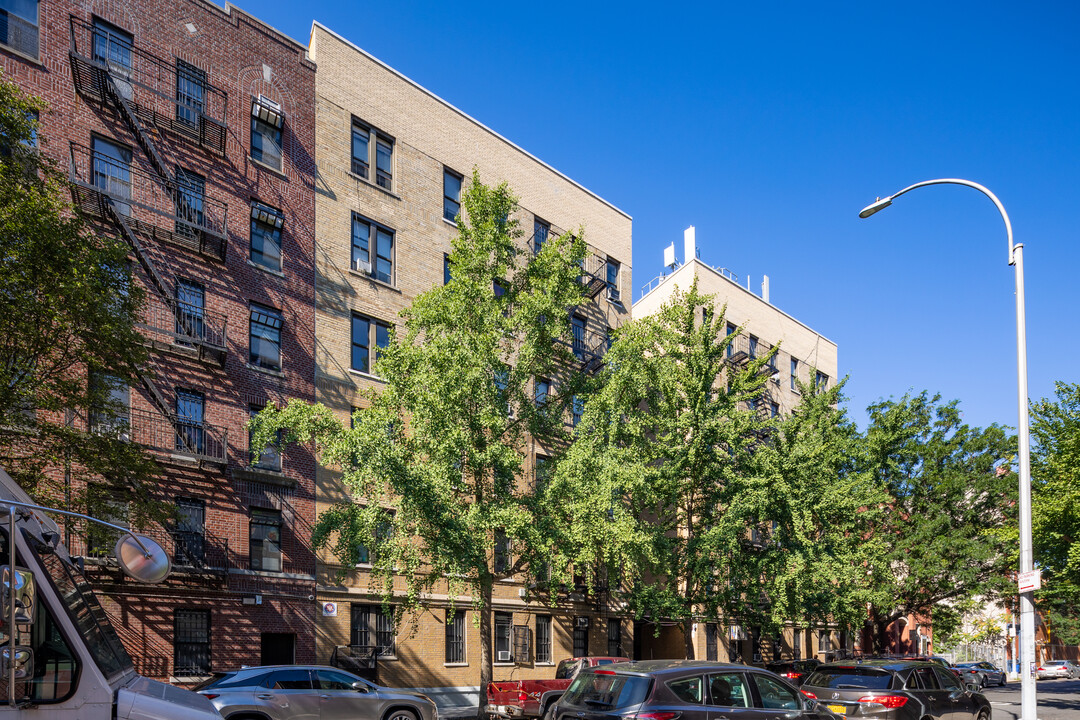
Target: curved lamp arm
882, 203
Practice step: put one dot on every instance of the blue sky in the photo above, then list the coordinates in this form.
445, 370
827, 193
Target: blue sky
768, 126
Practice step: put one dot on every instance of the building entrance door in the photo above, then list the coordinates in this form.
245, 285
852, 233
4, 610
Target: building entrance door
278, 649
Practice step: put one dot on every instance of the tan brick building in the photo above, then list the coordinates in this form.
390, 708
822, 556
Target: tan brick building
804, 355
391, 157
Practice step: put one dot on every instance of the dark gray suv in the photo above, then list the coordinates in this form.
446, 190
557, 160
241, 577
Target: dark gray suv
310, 692
895, 690
684, 690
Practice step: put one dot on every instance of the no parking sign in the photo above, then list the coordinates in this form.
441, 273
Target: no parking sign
329, 609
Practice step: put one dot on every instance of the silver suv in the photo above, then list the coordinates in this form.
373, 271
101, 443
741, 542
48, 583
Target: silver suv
310, 692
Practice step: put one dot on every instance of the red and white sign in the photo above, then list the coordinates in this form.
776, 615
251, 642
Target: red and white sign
329, 609
1030, 580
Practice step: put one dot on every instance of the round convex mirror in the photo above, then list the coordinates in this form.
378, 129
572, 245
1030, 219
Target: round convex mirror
135, 563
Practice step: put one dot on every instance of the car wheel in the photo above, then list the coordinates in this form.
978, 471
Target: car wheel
1001, 682
984, 715
401, 714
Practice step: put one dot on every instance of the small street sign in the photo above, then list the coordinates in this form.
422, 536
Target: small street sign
1031, 580
329, 609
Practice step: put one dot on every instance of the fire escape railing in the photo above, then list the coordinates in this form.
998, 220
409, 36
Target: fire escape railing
587, 348
166, 433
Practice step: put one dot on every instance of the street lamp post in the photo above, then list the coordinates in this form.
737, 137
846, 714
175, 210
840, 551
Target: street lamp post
1027, 604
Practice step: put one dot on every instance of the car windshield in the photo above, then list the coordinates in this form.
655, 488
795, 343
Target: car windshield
854, 677
607, 690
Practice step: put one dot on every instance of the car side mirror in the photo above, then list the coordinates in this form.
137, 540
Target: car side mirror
24, 662
360, 687
973, 687
22, 597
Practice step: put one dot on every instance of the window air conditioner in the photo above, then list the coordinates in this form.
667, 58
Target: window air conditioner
502, 656
613, 294
583, 622
363, 266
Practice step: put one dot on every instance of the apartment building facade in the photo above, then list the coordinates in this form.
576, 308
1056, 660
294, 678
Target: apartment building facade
393, 160
188, 131
804, 356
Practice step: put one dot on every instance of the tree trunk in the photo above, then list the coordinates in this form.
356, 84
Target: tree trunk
485, 643
688, 636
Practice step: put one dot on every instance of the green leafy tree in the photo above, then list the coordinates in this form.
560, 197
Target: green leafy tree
951, 501
67, 306
675, 455
1055, 501
435, 460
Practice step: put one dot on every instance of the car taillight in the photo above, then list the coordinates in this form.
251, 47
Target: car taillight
889, 701
603, 672
210, 696
522, 696
792, 675
809, 694
653, 716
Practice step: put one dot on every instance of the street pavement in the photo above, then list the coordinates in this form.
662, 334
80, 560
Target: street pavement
1056, 700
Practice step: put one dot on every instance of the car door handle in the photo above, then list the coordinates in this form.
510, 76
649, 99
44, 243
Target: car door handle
324, 696
264, 697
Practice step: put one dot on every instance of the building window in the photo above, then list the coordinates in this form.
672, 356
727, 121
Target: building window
190, 533
384, 157
266, 123
753, 347
825, 644
821, 381
794, 374
383, 531
112, 508
446, 277
265, 536
367, 334
265, 337
541, 230
711, 633
613, 279
581, 636
190, 93
543, 638
361, 136
541, 392
577, 329
774, 410
502, 388
190, 199
731, 339
501, 562
190, 407
503, 624
266, 223
796, 644
541, 470
111, 46
269, 458
365, 141
451, 194
372, 249
112, 171
455, 636
577, 409
110, 405
614, 637
191, 646
371, 626
19, 26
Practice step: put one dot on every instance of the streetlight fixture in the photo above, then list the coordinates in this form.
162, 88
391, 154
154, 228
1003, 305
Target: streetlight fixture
1027, 604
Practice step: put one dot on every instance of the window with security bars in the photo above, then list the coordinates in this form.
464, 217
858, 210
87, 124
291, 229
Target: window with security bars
711, 650
191, 642
543, 638
190, 534
581, 636
522, 648
614, 637
190, 197
503, 624
190, 431
190, 93
190, 311
369, 625
19, 26
455, 637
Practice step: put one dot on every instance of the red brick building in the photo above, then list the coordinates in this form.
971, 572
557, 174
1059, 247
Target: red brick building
189, 132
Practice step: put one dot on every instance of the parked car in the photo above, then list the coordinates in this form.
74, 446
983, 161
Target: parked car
310, 692
532, 698
985, 673
896, 690
794, 670
1057, 669
684, 689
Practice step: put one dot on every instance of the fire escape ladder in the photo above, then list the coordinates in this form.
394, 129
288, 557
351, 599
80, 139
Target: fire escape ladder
141, 251
141, 135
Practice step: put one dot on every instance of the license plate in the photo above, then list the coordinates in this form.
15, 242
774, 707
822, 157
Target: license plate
838, 709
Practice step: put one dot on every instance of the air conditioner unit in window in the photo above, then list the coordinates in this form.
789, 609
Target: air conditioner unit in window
613, 294
583, 622
363, 266
502, 656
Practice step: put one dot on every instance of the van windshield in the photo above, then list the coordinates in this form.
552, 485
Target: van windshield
87, 614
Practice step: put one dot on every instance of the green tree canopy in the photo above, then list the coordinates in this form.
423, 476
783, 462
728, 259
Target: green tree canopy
436, 460
1055, 504
67, 306
951, 502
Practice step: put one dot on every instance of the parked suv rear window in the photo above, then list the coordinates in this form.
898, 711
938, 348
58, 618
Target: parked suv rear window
855, 678
566, 669
606, 691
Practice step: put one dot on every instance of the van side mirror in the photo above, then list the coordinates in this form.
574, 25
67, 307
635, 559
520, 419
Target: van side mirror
23, 597
24, 662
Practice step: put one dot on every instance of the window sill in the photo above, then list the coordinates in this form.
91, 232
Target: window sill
451, 223
267, 477
504, 664
544, 664
455, 665
376, 186
269, 168
30, 58
367, 376
266, 371
367, 277
268, 271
